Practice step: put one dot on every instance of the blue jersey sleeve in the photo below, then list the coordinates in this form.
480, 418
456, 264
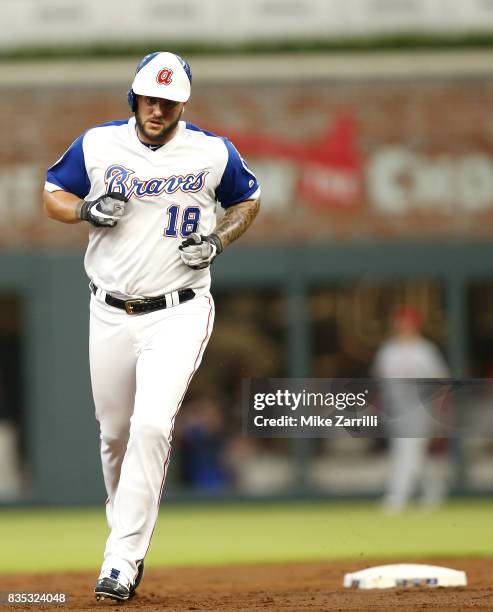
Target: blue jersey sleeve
238, 182
69, 172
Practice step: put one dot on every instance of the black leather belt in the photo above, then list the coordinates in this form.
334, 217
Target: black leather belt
139, 306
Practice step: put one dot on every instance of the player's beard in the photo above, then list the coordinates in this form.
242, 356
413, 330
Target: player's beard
158, 137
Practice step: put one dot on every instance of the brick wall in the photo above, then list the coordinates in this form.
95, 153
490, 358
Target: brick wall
366, 159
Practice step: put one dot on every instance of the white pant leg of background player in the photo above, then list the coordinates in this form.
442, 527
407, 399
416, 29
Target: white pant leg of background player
170, 345
113, 359
407, 461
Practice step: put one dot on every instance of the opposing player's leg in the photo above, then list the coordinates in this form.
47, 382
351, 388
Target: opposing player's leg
434, 482
172, 344
113, 357
407, 456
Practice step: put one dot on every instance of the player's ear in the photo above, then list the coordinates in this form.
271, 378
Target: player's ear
183, 108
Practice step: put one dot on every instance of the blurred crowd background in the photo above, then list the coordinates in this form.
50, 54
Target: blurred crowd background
370, 127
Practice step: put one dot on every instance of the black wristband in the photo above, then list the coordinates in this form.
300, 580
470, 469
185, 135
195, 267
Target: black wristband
214, 239
82, 210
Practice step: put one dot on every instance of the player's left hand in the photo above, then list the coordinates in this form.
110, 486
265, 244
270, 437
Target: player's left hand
198, 252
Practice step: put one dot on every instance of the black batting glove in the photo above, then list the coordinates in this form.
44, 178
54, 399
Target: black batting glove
106, 211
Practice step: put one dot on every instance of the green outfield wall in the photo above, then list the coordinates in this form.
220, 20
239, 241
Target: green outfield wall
61, 431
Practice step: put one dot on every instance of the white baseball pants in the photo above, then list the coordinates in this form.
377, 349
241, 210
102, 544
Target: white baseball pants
412, 471
141, 366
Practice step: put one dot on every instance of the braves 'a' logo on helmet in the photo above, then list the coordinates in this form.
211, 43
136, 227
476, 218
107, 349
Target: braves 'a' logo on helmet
164, 76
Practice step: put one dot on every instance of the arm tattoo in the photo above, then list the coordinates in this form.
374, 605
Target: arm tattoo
236, 221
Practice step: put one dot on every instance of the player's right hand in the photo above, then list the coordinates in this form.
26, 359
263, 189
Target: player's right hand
106, 211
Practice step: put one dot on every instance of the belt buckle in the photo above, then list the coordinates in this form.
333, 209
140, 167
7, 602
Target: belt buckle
130, 304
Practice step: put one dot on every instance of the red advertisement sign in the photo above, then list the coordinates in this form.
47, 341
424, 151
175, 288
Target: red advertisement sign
330, 170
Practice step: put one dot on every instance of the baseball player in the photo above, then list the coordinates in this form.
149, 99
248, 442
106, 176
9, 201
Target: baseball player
148, 188
408, 354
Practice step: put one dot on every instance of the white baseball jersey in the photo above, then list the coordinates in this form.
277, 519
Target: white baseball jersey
172, 191
413, 358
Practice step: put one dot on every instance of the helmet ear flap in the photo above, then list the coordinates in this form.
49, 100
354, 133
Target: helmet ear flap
131, 97
132, 100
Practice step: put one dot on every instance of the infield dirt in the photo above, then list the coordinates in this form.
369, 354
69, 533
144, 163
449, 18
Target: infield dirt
289, 586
